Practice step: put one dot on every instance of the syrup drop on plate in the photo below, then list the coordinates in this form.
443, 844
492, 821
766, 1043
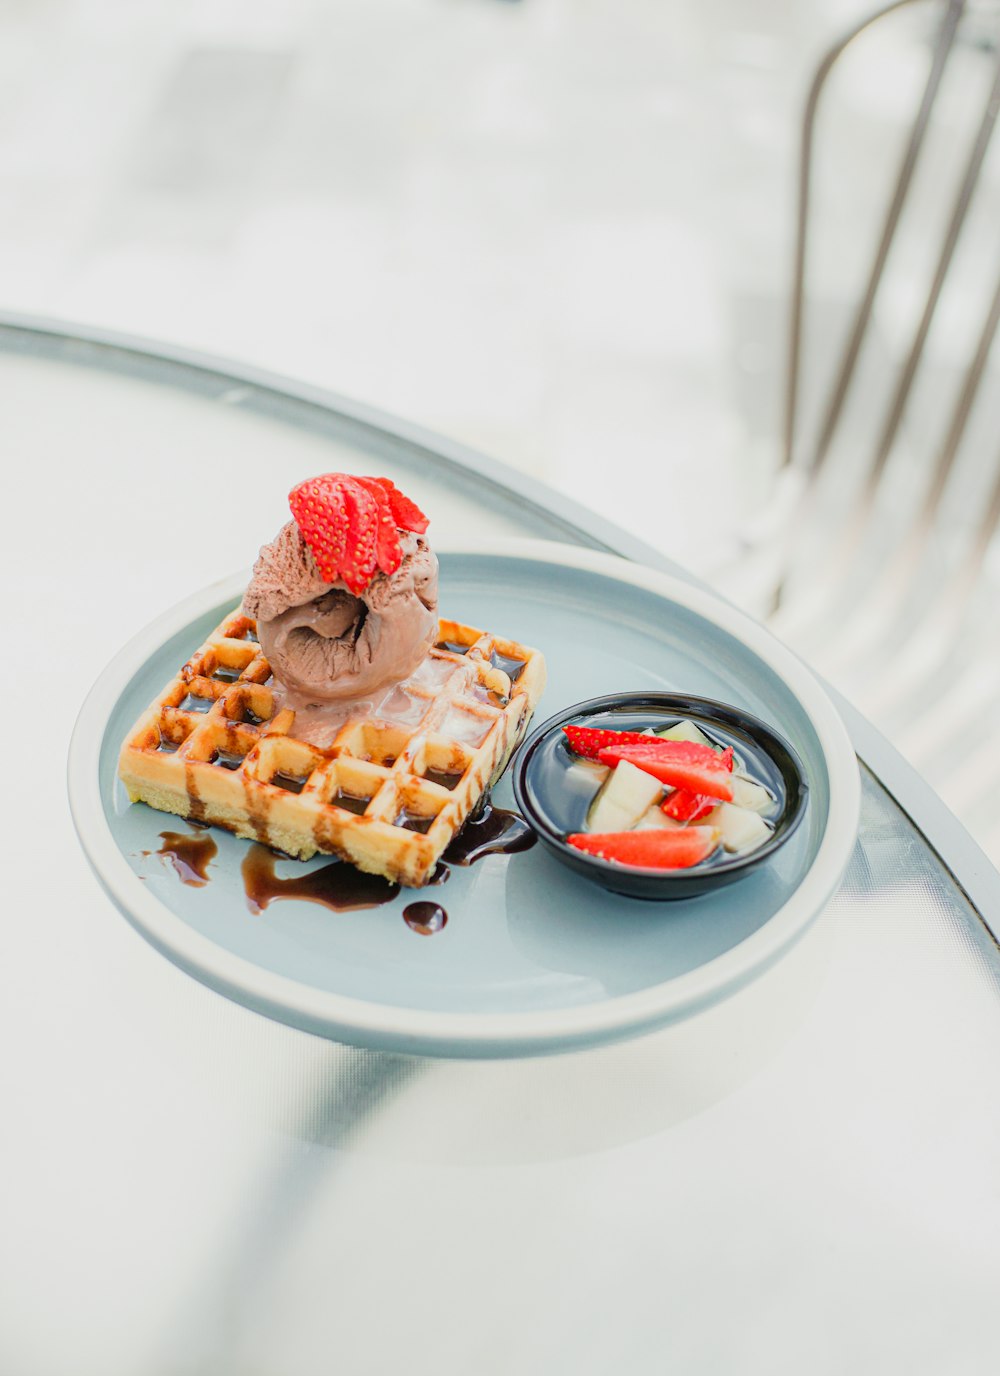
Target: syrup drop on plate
425, 918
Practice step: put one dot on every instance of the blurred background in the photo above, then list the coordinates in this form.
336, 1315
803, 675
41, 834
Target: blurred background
556, 229
561, 231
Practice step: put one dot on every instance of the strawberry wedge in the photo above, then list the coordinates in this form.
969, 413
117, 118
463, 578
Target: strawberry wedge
685, 806
683, 764
649, 850
589, 741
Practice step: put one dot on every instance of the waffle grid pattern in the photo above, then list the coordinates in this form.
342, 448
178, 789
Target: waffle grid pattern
391, 790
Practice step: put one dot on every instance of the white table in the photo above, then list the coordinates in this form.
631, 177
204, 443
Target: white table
802, 1179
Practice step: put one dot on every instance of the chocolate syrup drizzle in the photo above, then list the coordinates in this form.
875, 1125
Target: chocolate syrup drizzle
341, 887
489, 831
189, 853
337, 885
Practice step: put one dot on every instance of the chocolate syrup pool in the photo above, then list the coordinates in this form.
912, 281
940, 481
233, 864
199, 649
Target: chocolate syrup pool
492, 831
189, 853
341, 887
338, 885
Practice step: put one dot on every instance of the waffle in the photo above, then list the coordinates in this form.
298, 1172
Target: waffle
389, 792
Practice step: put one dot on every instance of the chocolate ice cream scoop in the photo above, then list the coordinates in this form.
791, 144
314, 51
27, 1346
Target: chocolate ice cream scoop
325, 644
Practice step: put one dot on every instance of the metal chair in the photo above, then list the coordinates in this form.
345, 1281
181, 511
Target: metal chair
889, 490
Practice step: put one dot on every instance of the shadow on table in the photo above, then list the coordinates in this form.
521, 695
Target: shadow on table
469, 1112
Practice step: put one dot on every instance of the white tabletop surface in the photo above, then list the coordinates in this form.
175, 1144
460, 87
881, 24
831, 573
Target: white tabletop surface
800, 1179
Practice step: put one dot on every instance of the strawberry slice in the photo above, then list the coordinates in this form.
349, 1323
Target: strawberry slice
660, 850
320, 510
358, 563
683, 805
684, 764
589, 741
351, 525
388, 553
406, 514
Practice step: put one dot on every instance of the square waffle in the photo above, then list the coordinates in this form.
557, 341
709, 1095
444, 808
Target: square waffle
387, 795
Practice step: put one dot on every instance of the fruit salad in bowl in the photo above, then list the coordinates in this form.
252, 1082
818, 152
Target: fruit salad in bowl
660, 795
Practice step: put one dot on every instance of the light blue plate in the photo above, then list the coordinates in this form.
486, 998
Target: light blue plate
533, 958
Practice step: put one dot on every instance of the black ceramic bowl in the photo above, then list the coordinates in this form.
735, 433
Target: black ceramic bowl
555, 802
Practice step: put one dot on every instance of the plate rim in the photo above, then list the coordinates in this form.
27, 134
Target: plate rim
392, 1027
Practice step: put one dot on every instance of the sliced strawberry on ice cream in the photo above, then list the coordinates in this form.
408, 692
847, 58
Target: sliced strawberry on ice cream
388, 554
683, 764
320, 510
660, 850
351, 525
407, 514
359, 560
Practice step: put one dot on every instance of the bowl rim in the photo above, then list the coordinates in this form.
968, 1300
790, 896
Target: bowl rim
788, 822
